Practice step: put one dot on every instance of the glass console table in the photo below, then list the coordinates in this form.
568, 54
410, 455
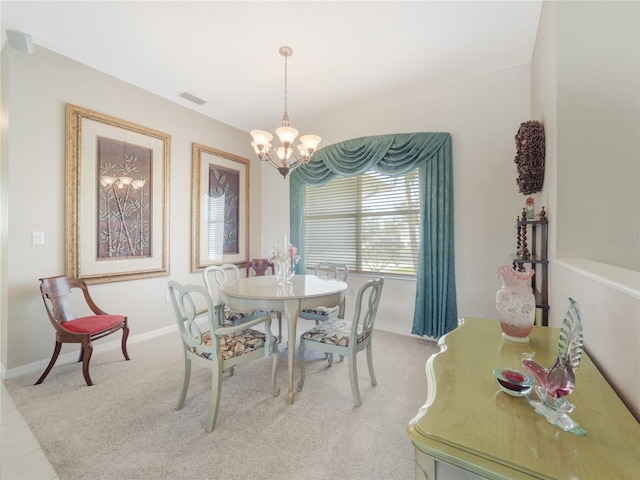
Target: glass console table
467, 421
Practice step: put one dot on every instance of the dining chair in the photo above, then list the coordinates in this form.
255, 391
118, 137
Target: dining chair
218, 348
322, 313
346, 337
219, 274
259, 267
57, 293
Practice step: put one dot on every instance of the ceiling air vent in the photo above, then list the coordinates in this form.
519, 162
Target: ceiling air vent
192, 98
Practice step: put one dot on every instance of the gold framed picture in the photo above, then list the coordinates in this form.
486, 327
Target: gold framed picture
219, 207
117, 198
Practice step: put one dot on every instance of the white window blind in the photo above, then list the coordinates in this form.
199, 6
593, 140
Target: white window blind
368, 222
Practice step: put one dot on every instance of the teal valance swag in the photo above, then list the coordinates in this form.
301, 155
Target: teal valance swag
435, 307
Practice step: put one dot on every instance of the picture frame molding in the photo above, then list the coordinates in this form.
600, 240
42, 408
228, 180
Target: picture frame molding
84, 125
198, 152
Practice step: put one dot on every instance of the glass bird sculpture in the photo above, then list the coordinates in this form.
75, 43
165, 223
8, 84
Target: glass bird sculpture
557, 382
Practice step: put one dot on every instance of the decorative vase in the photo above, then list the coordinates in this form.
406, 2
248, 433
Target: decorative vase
289, 272
283, 271
516, 304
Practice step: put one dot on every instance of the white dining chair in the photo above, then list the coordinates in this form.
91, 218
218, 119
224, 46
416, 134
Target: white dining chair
215, 276
258, 267
346, 337
322, 313
218, 348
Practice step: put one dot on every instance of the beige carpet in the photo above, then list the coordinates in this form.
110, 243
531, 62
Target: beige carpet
126, 427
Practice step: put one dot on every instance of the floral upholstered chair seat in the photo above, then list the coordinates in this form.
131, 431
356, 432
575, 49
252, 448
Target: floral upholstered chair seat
234, 318
321, 313
334, 332
233, 344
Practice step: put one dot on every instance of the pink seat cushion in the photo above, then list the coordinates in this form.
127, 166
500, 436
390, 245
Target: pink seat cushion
93, 324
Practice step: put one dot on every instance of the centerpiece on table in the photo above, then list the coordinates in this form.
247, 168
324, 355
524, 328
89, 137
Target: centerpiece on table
284, 262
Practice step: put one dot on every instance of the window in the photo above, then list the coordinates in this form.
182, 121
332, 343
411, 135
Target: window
369, 222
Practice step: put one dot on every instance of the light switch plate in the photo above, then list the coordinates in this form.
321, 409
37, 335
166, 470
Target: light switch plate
37, 238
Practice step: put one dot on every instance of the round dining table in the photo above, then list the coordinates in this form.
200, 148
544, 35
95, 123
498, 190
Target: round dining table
265, 293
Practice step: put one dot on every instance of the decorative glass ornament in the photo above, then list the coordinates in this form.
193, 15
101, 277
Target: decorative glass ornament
559, 381
529, 209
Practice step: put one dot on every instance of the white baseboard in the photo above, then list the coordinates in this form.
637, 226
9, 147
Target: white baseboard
72, 357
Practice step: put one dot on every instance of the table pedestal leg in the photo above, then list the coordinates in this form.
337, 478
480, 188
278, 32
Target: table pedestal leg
290, 313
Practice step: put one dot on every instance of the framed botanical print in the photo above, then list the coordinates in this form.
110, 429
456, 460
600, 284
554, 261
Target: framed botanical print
220, 207
117, 198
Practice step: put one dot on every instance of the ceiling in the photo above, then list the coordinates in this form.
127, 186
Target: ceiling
346, 53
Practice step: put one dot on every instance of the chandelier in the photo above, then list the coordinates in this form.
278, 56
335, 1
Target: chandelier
288, 157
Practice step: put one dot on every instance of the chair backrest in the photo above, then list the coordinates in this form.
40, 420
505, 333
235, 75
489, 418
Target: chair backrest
220, 274
259, 266
332, 270
57, 293
188, 301
366, 309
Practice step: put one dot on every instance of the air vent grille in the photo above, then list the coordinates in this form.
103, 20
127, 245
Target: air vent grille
192, 98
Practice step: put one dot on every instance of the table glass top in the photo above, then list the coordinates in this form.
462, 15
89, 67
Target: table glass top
266, 287
469, 421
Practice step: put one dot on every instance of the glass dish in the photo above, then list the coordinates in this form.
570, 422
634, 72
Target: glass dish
513, 382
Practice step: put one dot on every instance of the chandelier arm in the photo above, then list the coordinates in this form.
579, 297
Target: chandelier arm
296, 157
270, 160
299, 161
296, 164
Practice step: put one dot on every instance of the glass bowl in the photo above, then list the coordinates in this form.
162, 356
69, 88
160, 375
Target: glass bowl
513, 382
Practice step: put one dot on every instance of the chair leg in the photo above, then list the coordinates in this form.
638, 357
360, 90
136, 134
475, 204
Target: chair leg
185, 383
374, 382
301, 362
87, 351
125, 335
353, 377
54, 357
274, 369
279, 318
214, 402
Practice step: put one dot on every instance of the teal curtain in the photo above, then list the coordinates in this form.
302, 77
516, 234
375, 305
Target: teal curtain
435, 310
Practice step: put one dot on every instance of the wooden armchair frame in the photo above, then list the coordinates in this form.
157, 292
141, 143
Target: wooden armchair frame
56, 293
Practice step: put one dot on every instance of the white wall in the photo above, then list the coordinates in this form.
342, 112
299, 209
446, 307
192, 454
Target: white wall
610, 313
609, 296
598, 81
4, 205
38, 87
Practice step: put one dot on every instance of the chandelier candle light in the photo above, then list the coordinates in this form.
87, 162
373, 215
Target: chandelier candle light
287, 135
